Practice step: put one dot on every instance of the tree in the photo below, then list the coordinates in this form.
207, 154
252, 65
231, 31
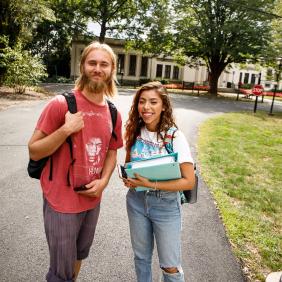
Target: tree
52, 37
273, 53
276, 30
150, 31
113, 16
221, 32
18, 18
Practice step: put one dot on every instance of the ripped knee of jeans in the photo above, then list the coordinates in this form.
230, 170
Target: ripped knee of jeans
170, 270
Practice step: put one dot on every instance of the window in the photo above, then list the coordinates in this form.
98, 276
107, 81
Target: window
246, 77
120, 64
167, 71
132, 65
175, 72
240, 78
159, 72
144, 66
253, 78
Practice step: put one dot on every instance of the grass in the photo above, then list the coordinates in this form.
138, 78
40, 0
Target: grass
270, 98
240, 156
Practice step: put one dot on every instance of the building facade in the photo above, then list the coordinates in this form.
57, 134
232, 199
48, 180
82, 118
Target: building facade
133, 67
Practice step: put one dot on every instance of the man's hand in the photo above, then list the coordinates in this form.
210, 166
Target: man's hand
94, 188
73, 122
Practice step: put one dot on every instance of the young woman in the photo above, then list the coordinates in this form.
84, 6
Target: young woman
155, 212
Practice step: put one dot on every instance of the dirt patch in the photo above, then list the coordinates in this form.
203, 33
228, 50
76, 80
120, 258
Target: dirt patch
9, 98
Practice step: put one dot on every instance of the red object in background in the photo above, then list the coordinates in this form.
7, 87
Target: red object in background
257, 90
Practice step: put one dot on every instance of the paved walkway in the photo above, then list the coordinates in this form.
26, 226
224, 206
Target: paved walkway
207, 255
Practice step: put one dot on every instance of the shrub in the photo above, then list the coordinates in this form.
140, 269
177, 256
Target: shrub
277, 90
58, 79
164, 81
246, 86
22, 69
144, 80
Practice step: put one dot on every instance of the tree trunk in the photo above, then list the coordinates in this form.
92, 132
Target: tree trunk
103, 32
213, 81
216, 68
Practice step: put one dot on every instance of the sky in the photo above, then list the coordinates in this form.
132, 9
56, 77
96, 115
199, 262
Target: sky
94, 27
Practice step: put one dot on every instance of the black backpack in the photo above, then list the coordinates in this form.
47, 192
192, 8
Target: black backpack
35, 168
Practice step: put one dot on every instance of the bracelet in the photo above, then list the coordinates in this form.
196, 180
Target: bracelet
155, 186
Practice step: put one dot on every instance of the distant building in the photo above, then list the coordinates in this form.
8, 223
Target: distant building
133, 67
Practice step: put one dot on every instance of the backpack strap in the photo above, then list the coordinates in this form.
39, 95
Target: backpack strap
168, 139
113, 111
51, 169
70, 98
168, 142
72, 107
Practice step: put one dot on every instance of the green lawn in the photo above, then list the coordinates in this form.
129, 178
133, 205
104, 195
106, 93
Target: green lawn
240, 156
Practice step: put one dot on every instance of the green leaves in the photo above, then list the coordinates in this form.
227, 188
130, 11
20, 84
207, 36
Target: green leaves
19, 18
221, 32
225, 29
22, 69
151, 31
112, 16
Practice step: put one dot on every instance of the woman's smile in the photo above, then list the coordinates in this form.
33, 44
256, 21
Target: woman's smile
150, 107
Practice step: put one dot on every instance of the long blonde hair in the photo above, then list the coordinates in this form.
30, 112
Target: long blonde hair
82, 80
135, 122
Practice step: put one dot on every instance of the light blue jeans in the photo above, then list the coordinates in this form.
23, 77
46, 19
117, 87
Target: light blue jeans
155, 214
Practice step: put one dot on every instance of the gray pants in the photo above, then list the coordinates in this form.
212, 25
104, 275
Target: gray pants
69, 237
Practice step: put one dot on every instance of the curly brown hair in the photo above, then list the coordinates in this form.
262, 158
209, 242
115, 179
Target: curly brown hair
135, 122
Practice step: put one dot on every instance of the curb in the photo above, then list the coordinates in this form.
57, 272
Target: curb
274, 277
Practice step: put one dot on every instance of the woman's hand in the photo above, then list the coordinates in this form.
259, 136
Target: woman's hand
138, 181
127, 183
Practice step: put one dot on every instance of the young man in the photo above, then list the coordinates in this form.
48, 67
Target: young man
70, 217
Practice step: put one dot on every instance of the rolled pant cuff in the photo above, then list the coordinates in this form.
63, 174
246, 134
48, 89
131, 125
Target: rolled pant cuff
51, 277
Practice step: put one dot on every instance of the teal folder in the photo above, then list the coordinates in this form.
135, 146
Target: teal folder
157, 172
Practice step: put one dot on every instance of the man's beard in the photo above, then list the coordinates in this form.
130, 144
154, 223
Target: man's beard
97, 86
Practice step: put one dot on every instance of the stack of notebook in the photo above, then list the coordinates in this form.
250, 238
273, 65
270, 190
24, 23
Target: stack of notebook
155, 169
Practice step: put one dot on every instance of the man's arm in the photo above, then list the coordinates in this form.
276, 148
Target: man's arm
109, 165
42, 145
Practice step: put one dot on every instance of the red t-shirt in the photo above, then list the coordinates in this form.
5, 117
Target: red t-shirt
90, 146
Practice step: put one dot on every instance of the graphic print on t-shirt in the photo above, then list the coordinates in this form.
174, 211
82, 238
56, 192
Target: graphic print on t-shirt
144, 149
93, 148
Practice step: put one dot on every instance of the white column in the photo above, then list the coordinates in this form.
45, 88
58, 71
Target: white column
153, 68
126, 64
138, 66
